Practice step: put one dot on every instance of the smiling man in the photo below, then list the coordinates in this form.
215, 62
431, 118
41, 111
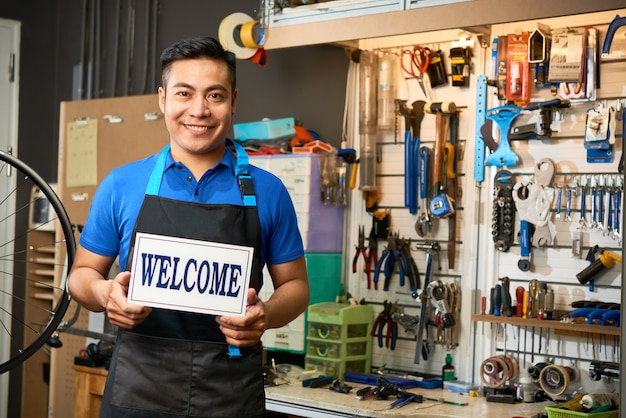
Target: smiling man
173, 362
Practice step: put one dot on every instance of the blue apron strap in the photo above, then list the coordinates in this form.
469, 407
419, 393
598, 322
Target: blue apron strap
154, 184
243, 176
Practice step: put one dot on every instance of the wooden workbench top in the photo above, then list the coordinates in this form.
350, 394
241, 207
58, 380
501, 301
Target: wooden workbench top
325, 400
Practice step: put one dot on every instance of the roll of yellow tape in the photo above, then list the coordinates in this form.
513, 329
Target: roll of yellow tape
226, 33
252, 34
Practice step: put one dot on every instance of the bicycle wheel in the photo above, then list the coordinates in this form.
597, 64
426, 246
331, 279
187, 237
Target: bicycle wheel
37, 248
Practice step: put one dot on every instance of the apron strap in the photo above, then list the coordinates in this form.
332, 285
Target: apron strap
240, 162
243, 177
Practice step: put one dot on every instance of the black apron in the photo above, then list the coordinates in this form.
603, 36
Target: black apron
189, 369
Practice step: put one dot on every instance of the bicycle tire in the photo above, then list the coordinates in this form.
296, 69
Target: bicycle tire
24, 338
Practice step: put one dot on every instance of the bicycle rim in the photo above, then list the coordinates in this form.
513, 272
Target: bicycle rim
37, 248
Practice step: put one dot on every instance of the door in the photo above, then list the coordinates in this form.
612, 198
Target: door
9, 81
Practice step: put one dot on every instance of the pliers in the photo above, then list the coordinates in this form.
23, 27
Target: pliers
410, 267
360, 249
372, 258
385, 318
387, 262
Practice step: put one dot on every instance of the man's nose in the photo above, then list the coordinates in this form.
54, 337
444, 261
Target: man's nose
200, 106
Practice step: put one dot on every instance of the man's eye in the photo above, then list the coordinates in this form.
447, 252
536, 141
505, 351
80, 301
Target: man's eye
182, 93
215, 96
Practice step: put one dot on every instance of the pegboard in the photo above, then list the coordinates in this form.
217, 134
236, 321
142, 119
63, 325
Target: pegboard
479, 264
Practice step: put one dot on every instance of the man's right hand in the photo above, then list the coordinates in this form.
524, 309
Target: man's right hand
119, 311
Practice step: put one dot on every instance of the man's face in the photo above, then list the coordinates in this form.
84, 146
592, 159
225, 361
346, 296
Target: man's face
198, 105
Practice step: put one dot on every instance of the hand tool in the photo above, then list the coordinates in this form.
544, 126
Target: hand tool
385, 319
503, 210
337, 386
436, 295
497, 300
559, 198
519, 296
600, 203
411, 269
611, 317
524, 240
410, 199
316, 382
615, 24
524, 316
418, 60
420, 350
441, 205
503, 117
372, 255
605, 261
387, 262
479, 142
505, 298
568, 206
583, 198
363, 392
597, 369
541, 128
451, 186
360, 249
423, 223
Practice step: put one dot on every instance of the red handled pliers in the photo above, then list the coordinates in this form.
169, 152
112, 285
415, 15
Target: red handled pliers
385, 318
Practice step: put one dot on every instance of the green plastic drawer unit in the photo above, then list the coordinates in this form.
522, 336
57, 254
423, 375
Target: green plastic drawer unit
324, 271
339, 321
338, 338
337, 368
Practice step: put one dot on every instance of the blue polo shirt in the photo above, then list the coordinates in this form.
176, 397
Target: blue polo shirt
117, 201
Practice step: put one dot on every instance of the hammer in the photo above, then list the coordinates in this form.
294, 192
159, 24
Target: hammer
440, 204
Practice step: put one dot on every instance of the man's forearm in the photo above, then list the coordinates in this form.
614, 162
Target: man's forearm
287, 302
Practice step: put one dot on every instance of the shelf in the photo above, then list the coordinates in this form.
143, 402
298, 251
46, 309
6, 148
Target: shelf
43, 260
556, 325
465, 14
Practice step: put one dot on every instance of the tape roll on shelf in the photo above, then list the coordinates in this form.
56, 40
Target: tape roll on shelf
554, 380
252, 34
231, 28
497, 370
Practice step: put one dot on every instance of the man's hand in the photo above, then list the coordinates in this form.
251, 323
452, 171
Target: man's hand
119, 311
247, 330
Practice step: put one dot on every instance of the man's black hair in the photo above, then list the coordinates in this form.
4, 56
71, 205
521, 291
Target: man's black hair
198, 48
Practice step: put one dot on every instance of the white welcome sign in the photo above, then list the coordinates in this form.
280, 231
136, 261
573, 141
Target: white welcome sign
190, 275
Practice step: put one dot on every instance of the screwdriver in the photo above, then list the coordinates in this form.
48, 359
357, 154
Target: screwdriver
496, 300
519, 295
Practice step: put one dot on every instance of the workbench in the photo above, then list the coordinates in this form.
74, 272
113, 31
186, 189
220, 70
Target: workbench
293, 399
296, 400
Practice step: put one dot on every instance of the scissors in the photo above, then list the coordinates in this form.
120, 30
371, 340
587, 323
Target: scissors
418, 59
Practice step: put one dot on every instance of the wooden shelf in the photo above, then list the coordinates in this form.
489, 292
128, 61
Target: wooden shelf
553, 324
43, 260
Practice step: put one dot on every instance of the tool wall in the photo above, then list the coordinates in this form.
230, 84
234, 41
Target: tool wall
562, 179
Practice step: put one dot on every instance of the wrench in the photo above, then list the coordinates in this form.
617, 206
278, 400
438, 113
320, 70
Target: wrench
583, 197
559, 197
568, 206
600, 214
542, 236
